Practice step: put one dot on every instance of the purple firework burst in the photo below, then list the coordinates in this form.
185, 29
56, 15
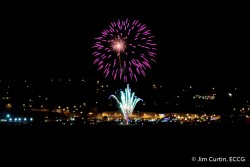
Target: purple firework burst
125, 50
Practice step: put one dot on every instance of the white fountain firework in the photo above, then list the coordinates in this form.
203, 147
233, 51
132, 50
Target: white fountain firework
126, 102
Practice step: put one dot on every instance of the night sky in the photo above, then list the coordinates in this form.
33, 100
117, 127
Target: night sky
193, 44
196, 44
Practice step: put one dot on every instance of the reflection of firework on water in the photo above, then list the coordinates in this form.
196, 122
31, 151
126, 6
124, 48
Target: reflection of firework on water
126, 102
124, 50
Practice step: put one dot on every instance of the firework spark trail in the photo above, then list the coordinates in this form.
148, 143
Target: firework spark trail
126, 102
127, 47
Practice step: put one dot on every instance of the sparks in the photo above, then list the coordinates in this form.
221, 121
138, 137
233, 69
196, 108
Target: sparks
126, 102
128, 46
